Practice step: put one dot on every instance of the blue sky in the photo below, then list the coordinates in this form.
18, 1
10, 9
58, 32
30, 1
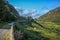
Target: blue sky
42, 6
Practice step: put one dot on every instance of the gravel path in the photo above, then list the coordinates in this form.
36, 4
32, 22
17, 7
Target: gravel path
4, 31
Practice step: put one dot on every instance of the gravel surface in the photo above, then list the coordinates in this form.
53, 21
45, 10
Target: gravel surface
4, 30
2, 33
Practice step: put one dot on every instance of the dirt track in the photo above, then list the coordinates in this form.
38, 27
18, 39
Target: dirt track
2, 33
4, 30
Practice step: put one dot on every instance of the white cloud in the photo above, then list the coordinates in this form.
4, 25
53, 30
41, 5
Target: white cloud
30, 12
34, 11
16, 7
45, 11
26, 12
33, 14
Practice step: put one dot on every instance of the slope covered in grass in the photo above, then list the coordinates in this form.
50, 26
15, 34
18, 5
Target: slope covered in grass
51, 22
47, 27
52, 16
53, 30
36, 32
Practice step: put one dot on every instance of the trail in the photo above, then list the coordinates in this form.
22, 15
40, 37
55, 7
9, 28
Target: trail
2, 33
4, 30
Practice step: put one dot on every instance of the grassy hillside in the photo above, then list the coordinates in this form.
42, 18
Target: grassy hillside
47, 27
36, 32
52, 16
51, 22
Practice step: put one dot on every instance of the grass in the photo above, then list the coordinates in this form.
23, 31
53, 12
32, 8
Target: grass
2, 25
52, 30
7, 37
36, 32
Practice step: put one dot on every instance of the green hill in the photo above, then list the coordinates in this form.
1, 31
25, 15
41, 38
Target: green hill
53, 16
34, 31
51, 22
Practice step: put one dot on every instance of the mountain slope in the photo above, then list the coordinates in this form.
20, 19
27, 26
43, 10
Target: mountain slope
53, 15
44, 28
33, 31
7, 12
51, 22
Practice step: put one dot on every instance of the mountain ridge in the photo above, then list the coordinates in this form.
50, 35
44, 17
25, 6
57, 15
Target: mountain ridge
52, 15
